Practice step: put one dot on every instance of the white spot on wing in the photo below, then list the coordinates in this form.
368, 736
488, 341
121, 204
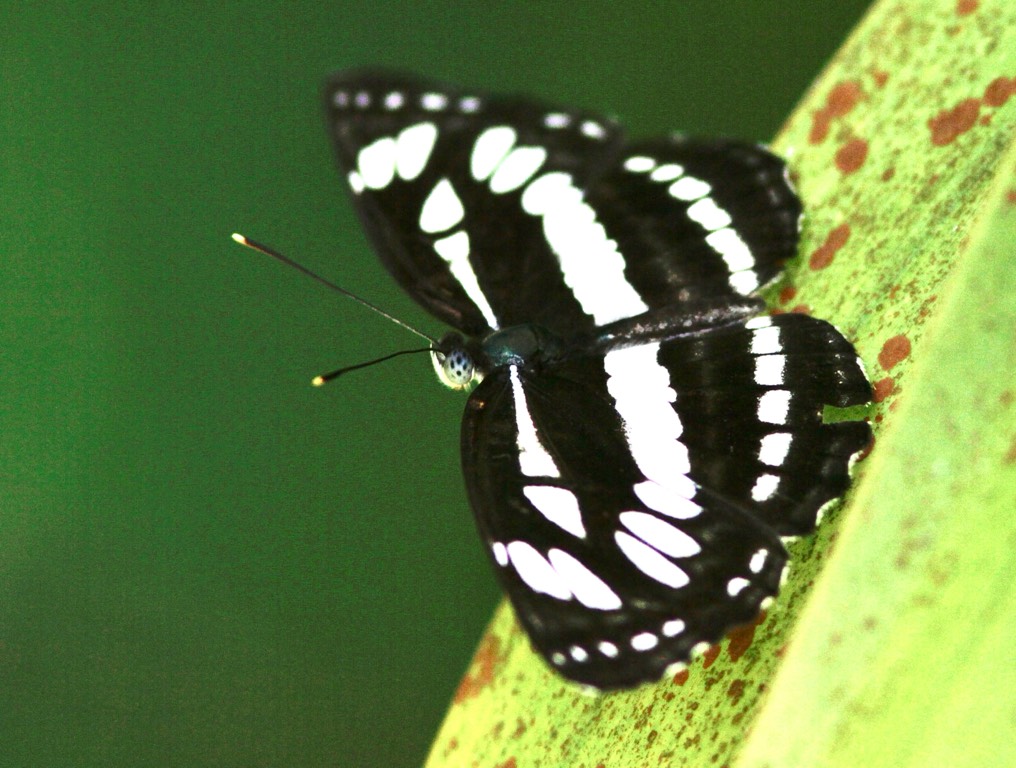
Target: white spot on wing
707, 213
558, 505
608, 649
356, 182
490, 149
644, 641
376, 163
732, 249
394, 100
500, 553
593, 129
766, 341
413, 149
534, 460
639, 164
469, 104
743, 282
673, 627
433, 102
650, 562
769, 370
578, 653
688, 188
667, 172
765, 487
442, 209
556, 120
736, 585
536, 572
454, 249
517, 168
774, 448
590, 262
660, 534
588, 588
673, 499
758, 560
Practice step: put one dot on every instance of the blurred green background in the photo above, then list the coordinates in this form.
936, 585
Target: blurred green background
203, 560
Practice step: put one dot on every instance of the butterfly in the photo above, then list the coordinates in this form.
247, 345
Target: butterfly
638, 440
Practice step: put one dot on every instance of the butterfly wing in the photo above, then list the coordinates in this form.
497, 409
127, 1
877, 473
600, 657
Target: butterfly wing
493, 211
633, 502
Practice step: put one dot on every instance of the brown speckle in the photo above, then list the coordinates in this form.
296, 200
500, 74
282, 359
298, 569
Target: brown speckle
736, 690
841, 99
1010, 196
822, 256
481, 672
801, 309
1006, 398
893, 351
1010, 455
742, 637
710, 656
851, 155
509, 763
884, 388
999, 90
966, 7
948, 124
787, 294
888, 173
880, 76
681, 677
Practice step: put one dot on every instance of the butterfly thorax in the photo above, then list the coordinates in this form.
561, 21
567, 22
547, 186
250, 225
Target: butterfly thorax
460, 361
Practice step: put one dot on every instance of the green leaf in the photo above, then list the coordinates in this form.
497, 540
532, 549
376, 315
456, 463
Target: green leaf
889, 644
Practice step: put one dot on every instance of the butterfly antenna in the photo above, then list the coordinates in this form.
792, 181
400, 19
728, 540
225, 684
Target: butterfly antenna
253, 244
320, 381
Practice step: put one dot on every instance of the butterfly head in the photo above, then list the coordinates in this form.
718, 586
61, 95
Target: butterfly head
455, 361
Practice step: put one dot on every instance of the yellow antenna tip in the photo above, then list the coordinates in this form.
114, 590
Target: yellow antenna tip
239, 238
318, 381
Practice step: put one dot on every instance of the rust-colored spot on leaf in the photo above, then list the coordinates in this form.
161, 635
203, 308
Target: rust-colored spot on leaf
884, 388
888, 173
787, 294
893, 351
1006, 398
851, 155
481, 671
1010, 455
966, 7
509, 763
880, 76
710, 656
736, 690
841, 99
801, 309
822, 256
1010, 196
948, 124
681, 677
742, 637
999, 90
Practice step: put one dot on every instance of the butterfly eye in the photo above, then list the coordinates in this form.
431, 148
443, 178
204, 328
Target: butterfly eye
455, 369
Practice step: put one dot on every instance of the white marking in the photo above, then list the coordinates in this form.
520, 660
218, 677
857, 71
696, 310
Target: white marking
394, 100
769, 370
362, 100
758, 560
650, 562
590, 262
688, 188
454, 249
673, 627
500, 553
774, 406
340, 99
644, 641
558, 505
608, 649
744, 282
667, 172
593, 129
376, 163
736, 585
413, 148
356, 182
639, 164
588, 588
533, 457
578, 653
774, 448
766, 341
517, 168
672, 499
699, 648
557, 658
660, 534
556, 120
469, 104
433, 102
490, 149
442, 209
707, 213
762, 321
765, 487
539, 575
643, 397
732, 248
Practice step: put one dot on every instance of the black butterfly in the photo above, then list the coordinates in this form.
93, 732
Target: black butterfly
639, 441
